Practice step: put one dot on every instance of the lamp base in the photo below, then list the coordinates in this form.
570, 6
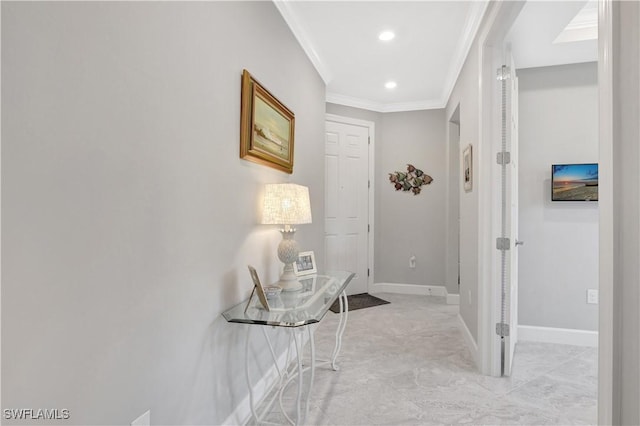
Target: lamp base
288, 254
288, 280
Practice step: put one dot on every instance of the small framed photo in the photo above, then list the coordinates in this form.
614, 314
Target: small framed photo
467, 168
306, 263
257, 287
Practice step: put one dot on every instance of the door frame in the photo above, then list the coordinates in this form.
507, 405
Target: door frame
606, 213
499, 19
370, 192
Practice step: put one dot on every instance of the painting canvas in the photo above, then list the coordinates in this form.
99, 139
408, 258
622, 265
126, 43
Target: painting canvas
574, 182
467, 169
267, 127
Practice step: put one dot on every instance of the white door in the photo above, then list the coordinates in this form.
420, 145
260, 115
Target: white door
511, 219
347, 201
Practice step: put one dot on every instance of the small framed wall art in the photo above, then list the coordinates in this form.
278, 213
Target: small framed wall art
467, 168
267, 127
257, 288
306, 263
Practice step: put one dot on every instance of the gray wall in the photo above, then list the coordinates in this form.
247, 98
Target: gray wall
411, 224
128, 218
454, 185
465, 95
558, 118
405, 224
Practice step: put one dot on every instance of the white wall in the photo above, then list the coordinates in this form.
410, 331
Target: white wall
558, 118
407, 225
625, 213
128, 217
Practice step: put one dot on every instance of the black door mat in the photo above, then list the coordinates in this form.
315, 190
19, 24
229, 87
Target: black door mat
358, 301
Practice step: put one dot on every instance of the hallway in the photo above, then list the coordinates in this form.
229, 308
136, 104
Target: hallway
406, 363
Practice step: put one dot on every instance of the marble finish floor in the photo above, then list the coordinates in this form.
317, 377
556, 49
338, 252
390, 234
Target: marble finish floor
406, 364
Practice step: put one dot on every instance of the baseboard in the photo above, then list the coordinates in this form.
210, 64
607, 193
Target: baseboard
565, 336
469, 340
242, 413
421, 290
452, 299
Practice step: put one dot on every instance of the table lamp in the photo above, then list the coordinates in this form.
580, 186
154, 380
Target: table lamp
287, 204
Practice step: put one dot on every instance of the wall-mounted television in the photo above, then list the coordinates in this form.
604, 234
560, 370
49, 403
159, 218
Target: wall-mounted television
574, 182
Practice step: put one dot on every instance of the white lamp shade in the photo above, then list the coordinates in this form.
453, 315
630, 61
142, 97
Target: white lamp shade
286, 204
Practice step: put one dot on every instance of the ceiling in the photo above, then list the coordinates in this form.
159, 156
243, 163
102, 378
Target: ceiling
539, 24
432, 39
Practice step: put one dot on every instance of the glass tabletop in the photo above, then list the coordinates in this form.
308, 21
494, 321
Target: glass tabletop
294, 308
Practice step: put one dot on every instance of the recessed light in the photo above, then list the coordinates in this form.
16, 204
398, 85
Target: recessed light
390, 84
386, 35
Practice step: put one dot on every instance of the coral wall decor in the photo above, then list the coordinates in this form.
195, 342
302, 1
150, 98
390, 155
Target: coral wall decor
411, 180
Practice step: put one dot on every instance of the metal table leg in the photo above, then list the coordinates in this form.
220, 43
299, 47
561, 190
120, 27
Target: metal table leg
342, 325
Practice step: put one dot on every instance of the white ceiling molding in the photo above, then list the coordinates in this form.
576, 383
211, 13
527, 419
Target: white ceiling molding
472, 25
349, 101
294, 24
583, 26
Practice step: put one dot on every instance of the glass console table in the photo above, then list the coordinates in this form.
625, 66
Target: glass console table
296, 311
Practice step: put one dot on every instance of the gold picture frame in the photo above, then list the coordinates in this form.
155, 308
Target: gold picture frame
267, 127
467, 168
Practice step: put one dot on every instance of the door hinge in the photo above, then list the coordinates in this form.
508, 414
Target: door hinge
368, 272
368, 228
502, 329
368, 184
503, 243
503, 73
503, 158
369, 140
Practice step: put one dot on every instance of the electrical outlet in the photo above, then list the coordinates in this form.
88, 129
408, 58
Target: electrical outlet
143, 420
592, 296
412, 262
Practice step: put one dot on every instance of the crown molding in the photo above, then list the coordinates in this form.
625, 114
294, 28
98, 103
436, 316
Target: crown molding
471, 27
298, 31
472, 24
349, 101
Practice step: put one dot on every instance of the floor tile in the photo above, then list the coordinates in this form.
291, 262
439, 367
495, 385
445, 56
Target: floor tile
406, 363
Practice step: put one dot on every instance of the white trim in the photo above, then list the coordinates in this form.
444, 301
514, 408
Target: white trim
469, 340
300, 34
471, 27
417, 289
452, 299
476, 12
353, 102
605, 208
498, 19
371, 170
563, 336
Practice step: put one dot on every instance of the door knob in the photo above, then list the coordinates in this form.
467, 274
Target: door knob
519, 243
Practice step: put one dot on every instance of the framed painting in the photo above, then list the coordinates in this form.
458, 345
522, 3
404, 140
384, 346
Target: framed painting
267, 127
467, 168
